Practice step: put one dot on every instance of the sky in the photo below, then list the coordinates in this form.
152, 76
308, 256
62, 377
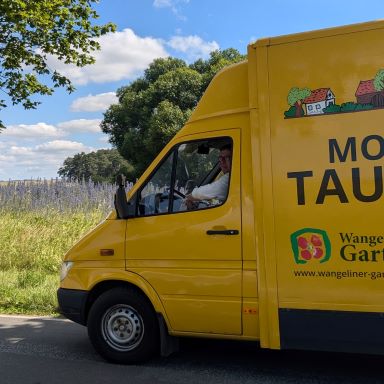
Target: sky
36, 142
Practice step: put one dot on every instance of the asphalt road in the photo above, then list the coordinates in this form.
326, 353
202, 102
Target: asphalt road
39, 350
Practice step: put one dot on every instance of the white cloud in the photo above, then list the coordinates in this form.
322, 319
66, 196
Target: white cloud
162, 3
43, 160
173, 4
39, 150
20, 151
39, 131
4, 144
193, 46
123, 55
32, 131
81, 125
94, 103
168, 3
61, 146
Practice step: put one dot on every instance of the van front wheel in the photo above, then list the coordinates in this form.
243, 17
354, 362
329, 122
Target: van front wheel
122, 326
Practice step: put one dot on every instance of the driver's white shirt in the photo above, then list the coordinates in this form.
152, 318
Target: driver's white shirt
216, 190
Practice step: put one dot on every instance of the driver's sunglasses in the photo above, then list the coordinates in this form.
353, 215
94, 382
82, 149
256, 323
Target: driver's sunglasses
227, 158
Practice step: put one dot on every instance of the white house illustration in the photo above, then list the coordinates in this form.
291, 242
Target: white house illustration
318, 100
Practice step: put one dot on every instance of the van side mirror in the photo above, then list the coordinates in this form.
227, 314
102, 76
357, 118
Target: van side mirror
121, 204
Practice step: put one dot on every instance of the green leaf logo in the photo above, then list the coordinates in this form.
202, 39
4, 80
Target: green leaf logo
310, 245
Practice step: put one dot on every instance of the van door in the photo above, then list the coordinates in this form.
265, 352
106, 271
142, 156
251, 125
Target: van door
191, 255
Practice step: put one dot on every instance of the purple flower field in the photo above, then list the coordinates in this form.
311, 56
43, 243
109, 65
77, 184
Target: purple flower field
40, 220
56, 195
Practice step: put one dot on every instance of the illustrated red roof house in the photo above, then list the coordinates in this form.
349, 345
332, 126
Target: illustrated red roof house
318, 100
365, 92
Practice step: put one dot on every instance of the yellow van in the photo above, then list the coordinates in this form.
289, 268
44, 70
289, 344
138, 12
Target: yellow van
260, 220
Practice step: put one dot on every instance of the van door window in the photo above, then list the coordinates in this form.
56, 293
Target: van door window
198, 177
203, 173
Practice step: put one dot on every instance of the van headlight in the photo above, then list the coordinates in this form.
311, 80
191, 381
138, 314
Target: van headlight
65, 268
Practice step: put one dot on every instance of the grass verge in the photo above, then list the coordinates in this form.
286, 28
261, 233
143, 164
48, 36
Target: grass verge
32, 246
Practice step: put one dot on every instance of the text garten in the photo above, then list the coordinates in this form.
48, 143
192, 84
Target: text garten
353, 248
371, 148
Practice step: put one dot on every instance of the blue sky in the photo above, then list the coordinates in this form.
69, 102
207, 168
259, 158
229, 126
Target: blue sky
36, 142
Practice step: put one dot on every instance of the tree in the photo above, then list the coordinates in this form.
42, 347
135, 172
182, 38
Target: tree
378, 81
30, 31
152, 109
296, 97
217, 61
100, 166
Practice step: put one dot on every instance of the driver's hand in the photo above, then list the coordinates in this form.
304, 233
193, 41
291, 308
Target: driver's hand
190, 202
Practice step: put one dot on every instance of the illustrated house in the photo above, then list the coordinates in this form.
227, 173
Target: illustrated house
318, 100
367, 94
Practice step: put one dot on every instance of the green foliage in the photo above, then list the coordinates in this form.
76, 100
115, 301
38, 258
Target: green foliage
164, 124
160, 67
32, 30
154, 107
181, 87
363, 107
332, 108
217, 61
296, 94
378, 81
291, 112
348, 107
100, 166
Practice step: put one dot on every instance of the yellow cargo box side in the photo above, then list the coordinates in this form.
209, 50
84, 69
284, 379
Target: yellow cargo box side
317, 110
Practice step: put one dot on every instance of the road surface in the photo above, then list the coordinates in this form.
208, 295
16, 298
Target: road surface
41, 350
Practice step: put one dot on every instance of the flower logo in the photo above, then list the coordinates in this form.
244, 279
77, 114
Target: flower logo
310, 244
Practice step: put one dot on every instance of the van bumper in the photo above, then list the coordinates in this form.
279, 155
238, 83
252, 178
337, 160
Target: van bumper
72, 303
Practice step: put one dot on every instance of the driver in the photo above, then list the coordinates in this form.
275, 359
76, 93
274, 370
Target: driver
218, 189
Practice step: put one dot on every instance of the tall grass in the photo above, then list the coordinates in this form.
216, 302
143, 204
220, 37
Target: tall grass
39, 221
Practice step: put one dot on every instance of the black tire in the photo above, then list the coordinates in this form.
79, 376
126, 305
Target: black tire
122, 326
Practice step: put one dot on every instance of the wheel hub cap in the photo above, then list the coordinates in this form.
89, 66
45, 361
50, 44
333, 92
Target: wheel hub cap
122, 327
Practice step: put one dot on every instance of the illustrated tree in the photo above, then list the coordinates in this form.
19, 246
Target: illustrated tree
31, 31
155, 106
100, 166
295, 99
378, 81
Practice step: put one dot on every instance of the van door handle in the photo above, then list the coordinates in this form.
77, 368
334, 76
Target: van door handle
229, 232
